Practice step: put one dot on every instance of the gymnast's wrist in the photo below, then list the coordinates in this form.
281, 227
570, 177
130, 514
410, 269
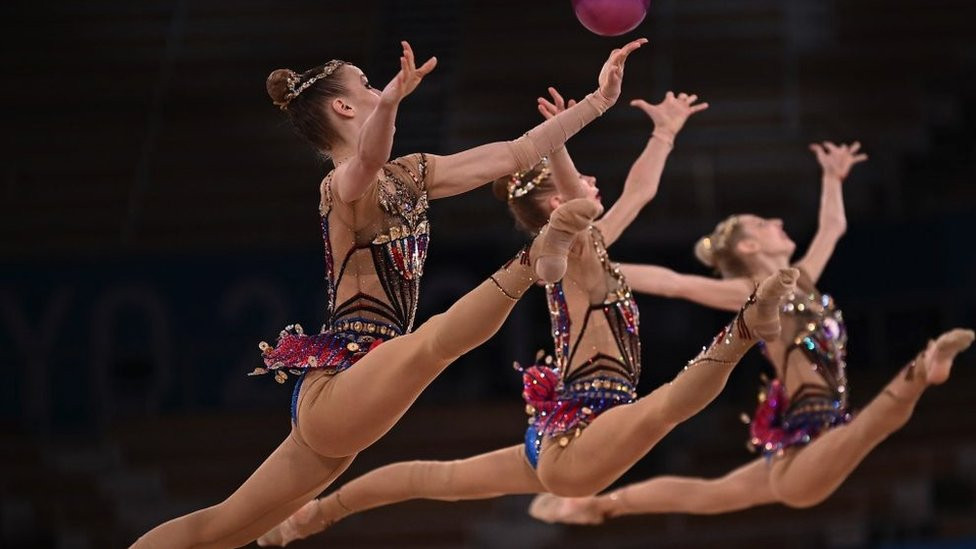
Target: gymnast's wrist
599, 101
664, 136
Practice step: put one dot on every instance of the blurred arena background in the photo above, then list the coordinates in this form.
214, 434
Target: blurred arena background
158, 219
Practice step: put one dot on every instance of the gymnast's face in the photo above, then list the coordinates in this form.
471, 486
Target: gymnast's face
764, 236
585, 187
359, 99
589, 188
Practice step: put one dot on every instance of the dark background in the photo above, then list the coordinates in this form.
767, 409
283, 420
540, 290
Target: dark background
158, 219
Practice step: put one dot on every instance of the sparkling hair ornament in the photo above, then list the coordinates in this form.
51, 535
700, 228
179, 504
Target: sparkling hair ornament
717, 241
720, 236
519, 187
294, 79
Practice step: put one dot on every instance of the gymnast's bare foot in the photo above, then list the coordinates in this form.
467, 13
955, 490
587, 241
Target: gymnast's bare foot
762, 316
552, 509
937, 359
551, 246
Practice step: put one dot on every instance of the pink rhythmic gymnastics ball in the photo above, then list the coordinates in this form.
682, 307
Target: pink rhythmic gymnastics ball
611, 17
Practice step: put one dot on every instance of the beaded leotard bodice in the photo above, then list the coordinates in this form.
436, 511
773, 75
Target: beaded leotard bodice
792, 411
375, 258
605, 344
814, 327
375, 249
597, 361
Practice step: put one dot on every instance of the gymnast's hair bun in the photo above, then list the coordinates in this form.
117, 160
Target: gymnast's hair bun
279, 88
704, 251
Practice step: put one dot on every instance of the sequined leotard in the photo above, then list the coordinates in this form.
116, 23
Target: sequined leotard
597, 365
372, 290
814, 327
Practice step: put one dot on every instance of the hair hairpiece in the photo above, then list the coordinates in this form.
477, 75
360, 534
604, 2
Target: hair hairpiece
518, 186
294, 79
